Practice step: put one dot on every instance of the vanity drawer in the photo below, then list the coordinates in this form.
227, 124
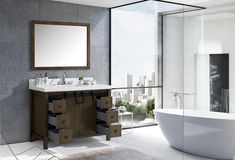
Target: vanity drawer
111, 116
61, 136
60, 121
111, 131
104, 102
57, 106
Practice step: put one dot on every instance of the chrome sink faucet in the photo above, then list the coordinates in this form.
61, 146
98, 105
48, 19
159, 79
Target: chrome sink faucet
64, 78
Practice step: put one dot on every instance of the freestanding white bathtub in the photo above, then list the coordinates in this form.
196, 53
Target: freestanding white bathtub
206, 134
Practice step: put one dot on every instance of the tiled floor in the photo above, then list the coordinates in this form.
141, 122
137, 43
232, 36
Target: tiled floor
148, 140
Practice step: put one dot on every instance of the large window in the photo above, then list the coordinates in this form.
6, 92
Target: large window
137, 56
135, 61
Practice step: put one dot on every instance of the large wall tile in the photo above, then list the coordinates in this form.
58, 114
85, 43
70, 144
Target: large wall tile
58, 11
100, 64
15, 16
15, 117
99, 23
15, 65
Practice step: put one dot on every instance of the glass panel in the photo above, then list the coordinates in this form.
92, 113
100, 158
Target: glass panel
136, 45
173, 61
171, 117
135, 107
148, 51
133, 46
135, 60
209, 112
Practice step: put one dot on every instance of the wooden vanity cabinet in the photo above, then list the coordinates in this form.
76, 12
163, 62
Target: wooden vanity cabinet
39, 117
82, 111
79, 106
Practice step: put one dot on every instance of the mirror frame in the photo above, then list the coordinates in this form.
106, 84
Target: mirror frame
35, 22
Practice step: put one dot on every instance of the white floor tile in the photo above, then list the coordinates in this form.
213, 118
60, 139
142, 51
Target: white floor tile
148, 140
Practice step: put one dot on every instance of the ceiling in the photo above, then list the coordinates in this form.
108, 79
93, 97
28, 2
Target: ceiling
100, 3
113, 3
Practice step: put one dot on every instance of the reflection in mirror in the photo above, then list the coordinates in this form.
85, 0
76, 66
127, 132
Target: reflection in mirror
60, 45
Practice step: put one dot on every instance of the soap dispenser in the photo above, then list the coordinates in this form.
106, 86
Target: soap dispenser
45, 79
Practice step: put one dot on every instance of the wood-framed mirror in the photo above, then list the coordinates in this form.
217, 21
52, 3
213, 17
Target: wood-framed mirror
60, 45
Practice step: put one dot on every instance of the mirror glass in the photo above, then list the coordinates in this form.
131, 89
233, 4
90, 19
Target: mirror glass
60, 45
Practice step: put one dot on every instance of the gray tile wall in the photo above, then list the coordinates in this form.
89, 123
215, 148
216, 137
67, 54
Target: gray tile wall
15, 17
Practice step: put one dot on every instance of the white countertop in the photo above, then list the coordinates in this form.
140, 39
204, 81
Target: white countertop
67, 88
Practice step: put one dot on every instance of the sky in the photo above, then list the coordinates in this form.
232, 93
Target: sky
134, 40
133, 45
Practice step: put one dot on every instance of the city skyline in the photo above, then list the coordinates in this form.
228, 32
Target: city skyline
134, 54
143, 80
137, 95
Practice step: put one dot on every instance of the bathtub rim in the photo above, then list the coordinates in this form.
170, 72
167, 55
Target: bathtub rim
196, 114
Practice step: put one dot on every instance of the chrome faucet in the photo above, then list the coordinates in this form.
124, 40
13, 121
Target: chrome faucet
64, 78
178, 98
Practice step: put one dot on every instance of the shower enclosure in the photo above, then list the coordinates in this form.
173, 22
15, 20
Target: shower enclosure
143, 37
197, 82
185, 50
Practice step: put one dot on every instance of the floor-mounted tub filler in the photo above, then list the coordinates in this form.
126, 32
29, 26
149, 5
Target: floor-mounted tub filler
206, 134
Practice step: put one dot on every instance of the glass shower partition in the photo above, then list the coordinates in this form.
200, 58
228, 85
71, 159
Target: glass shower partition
148, 68
208, 112
175, 94
135, 72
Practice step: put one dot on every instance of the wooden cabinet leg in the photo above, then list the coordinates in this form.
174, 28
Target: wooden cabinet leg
45, 138
45, 143
30, 137
30, 117
108, 138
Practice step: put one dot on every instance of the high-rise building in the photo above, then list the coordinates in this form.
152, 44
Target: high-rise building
153, 84
153, 79
141, 83
129, 82
148, 91
135, 95
144, 80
